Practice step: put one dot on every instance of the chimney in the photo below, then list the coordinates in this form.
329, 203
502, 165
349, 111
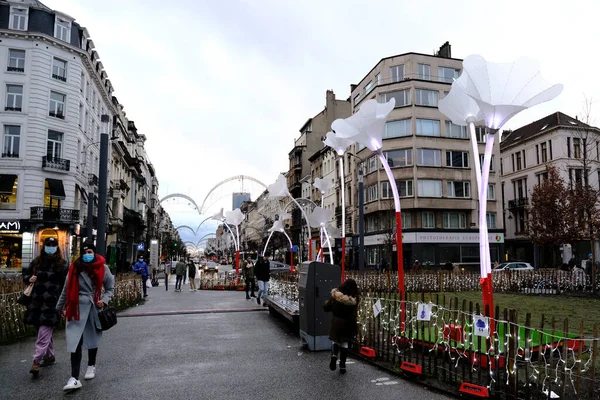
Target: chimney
445, 51
352, 87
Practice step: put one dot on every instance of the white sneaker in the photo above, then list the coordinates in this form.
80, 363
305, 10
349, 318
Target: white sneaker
91, 372
72, 384
191, 290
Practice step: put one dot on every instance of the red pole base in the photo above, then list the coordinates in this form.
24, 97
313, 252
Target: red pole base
237, 267
343, 260
487, 293
399, 257
292, 257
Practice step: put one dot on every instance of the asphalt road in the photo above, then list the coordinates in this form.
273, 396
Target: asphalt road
204, 344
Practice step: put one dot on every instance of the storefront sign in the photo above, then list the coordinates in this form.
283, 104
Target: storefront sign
441, 237
10, 227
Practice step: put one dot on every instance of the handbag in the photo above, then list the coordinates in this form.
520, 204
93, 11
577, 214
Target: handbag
108, 318
25, 297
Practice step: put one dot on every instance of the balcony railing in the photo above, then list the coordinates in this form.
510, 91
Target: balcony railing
56, 163
56, 114
92, 179
59, 77
10, 155
15, 69
54, 214
520, 202
12, 108
123, 185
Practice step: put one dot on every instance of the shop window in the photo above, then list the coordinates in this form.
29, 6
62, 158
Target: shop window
373, 255
10, 251
8, 192
50, 198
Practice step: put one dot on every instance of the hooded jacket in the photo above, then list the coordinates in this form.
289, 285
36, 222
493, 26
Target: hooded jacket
345, 312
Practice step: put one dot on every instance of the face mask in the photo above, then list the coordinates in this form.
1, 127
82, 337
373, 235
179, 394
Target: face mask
87, 258
50, 250
141, 260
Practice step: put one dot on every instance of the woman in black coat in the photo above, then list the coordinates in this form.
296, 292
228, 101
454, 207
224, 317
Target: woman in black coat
344, 306
47, 272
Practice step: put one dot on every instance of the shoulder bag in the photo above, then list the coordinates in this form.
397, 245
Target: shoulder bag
25, 297
108, 317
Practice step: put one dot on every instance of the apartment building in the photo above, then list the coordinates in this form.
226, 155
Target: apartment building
556, 139
57, 101
432, 163
310, 142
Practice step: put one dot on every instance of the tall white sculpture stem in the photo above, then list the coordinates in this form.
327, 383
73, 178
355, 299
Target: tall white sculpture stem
304, 215
486, 267
232, 235
328, 245
343, 189
482, 203
267, 244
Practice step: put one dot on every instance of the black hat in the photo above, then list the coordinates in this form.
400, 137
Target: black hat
51, 242
88, 245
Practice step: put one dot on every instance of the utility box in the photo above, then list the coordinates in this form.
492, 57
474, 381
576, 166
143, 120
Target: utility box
315, 282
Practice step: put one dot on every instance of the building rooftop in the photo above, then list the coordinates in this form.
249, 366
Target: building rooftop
550, 122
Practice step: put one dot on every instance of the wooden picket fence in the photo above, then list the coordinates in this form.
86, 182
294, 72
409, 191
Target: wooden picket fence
530, 361
128, 291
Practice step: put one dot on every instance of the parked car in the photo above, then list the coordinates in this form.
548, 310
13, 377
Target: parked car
277, 266
514, 266
223, 262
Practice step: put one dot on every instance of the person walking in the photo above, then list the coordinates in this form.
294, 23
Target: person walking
141, 268
343, 303
179, 272
262, 272
89, 287
192, 275
47, 272
248, 274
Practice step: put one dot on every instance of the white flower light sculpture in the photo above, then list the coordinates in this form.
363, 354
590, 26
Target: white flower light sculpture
279, 189
277, 227
235, 218
340, 144
323, 186
500, 91
320, 217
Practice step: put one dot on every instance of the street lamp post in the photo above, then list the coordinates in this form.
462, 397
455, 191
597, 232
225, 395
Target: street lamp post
361, 220
102, 189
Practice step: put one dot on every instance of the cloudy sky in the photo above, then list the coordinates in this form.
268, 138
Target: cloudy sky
221, 88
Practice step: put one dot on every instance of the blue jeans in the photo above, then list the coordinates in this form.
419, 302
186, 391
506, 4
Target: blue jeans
263, 288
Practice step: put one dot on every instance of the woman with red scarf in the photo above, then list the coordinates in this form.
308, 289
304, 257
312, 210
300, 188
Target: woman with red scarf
89, 286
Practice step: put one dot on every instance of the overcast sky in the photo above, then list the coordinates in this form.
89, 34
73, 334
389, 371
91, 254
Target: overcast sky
221, 88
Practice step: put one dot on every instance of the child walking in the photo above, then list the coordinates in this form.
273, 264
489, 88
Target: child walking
343, 303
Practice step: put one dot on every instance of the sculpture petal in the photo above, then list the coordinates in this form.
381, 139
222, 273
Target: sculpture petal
319, 216
219, 216
459, 107
234, 217
339, 144
323, 185
279, 188
277, 226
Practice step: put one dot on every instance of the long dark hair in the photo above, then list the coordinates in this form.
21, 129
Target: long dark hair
48, 262
350, 288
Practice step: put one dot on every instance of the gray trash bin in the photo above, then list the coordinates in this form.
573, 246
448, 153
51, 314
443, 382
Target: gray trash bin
315, 282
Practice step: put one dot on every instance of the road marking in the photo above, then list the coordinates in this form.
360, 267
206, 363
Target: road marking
380, 380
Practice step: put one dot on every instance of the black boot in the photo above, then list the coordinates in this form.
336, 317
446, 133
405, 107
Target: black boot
334, 356
343, 356
247, 296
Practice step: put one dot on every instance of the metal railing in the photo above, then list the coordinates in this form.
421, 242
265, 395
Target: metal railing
54, 214
55, 163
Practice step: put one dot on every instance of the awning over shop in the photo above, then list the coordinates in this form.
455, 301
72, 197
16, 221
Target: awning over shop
56, 188
6, 183
84, 195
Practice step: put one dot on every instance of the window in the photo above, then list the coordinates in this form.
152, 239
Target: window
18, 18
57, 105
576, 175
12, 139
481, 156
424, 72
372, 164
521, 188
372, 193
481, 133
62, 29
576, 148
428, 219
399, 158
398, 129
456, 131
402, 97
448, 74
550, 145
429, 188
454, 220
356, 98
458, 189
59, 69
544, 149
406, 220
14, 98
519, 161
491, 220
569, 147
542, 177
457, 159
378, 79
54, 146
16, 60
368, 87
491, 195
405, 188
429, 157
425, 97
428, 127
397, 73
372, 223
386, 190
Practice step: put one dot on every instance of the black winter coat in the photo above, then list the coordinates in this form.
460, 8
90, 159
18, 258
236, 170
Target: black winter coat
345, 312
41, 311
262, 270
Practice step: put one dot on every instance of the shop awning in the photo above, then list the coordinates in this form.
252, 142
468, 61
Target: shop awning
84, 195
56, 188
6, 183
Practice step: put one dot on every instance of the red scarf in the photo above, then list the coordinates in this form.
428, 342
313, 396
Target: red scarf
97, 276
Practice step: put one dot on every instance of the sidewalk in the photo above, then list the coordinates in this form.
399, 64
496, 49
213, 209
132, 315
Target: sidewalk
204, 344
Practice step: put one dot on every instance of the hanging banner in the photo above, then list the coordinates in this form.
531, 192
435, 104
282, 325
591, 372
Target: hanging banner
424, 312
376, 308
481, 325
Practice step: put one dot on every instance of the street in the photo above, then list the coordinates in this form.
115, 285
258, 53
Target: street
204, 344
